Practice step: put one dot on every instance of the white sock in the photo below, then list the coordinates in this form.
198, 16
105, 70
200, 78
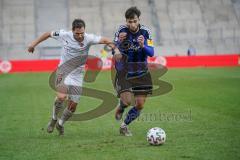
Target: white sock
57, 107
123, 124
54, 117
60, 122
65, 116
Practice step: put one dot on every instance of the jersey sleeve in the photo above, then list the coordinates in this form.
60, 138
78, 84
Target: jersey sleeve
148, 37
58, 34
121, 29
94, 39
148, 43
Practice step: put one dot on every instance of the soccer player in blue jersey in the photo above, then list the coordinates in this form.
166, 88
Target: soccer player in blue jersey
132, 77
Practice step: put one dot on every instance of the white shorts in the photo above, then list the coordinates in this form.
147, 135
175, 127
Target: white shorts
70, 84
74, 83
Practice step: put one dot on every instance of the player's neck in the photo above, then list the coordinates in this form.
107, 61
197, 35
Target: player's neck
80, 41
134, 32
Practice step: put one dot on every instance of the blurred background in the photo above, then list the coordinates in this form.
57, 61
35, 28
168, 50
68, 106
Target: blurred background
197, 40
210, 27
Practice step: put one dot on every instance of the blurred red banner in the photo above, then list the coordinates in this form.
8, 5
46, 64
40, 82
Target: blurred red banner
169, 61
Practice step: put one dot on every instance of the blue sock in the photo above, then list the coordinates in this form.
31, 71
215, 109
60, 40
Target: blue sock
133, 113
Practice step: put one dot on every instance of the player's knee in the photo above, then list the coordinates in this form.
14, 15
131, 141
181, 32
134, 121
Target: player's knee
126, 101
61, 98
140, 104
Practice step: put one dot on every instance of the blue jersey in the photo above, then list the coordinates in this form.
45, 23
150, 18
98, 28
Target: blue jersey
135, 57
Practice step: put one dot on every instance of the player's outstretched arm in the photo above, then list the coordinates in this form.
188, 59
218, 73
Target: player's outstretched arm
117, 55
34, 43
107, 41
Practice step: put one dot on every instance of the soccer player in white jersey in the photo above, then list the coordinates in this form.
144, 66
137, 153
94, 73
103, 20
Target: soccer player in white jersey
74, 43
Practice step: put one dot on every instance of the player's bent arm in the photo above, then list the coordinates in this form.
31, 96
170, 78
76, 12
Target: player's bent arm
43, 37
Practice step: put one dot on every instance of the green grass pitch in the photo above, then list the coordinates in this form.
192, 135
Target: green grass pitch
206, 101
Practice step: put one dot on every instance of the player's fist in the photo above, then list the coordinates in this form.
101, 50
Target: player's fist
141, 41
30, 49
122, 36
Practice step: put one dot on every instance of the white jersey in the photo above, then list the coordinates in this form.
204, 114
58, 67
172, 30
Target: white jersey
72, 48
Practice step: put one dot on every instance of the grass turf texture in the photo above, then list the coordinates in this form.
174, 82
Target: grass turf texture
208, 98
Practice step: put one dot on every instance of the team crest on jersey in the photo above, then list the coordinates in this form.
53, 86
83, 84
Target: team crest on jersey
150, 42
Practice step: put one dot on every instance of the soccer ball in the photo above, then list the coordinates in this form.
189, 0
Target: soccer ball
156, 136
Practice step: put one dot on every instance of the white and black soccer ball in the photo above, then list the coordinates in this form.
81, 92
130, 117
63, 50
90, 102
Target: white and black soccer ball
156, 136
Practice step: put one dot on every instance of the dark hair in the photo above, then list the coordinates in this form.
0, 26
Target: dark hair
78, 23
131, 12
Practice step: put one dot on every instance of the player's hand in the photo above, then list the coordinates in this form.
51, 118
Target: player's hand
122, 36
141, 41
30, 49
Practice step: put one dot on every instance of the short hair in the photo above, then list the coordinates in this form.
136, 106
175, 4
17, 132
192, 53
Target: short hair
78, 23
131, 12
